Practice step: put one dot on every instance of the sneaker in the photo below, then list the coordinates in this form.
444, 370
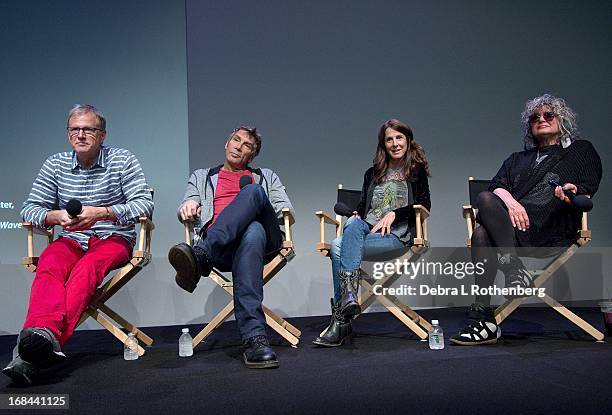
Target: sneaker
481, 327
190, 264
22, 372
516, 275
259, 354
38, 346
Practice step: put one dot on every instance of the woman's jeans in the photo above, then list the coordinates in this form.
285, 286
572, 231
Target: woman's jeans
357, 244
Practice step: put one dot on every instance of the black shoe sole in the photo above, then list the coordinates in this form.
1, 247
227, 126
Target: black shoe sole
322, 343
268, 364
186, 268
17, 376
477, 343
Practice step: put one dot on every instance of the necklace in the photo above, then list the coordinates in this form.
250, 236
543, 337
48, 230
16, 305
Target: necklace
539, 157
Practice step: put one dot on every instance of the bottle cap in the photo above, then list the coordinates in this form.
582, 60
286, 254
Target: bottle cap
185, 330
434, 322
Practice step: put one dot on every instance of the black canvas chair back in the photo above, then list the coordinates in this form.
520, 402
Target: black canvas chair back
350, 198
476, 187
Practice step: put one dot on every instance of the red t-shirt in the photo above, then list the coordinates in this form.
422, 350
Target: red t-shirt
228, 187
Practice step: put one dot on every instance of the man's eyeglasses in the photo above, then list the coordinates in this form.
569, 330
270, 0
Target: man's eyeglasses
548, 117
74, 131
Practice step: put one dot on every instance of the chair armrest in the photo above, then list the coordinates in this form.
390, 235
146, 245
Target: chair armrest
188, 227
288, 221
324, 217
327, 217
469, 214
38, 231
144, 237
423, 210
422, 226
584, 234
31, 261
144, 220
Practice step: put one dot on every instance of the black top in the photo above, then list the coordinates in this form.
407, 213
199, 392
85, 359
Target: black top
552, 222
420, 191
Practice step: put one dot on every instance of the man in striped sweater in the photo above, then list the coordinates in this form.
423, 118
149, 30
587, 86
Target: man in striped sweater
111, 187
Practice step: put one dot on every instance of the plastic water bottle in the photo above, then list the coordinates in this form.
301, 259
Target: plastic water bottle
185, 344
436, 336
130, 347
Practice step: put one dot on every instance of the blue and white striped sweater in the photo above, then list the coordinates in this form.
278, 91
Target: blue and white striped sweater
115, 181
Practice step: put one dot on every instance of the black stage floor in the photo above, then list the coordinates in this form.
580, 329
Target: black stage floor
542, 365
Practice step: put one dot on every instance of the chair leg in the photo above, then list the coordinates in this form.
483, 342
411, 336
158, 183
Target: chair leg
367, 297
83, 318
126, 324
273, 267
284, 323
114, 330
503, 311
214, 323
365, 303
402, 312
278, 324
285, 329
558, 307
293, 340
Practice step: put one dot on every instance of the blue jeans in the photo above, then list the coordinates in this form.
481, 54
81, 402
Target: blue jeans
357, 244
245, 235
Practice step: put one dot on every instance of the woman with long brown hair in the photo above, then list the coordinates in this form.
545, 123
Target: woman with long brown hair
382, 224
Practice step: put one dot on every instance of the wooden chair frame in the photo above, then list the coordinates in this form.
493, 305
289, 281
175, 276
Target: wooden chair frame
97, 309
419, 325
281, 326
541, 276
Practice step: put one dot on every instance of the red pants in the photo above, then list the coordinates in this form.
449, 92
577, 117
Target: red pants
67, 278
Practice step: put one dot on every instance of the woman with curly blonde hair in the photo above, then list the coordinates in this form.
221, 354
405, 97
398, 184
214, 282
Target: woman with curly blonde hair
527, 206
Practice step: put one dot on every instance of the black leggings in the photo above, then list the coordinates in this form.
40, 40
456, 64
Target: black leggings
495, 234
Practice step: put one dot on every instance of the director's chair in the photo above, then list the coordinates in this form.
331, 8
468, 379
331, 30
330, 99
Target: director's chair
540, 276
281, 326
97, 309
405, 314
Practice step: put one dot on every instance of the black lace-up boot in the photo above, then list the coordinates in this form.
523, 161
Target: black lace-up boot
258, 353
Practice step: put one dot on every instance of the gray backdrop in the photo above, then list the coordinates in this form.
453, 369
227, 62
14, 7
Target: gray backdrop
318, 79
129, 60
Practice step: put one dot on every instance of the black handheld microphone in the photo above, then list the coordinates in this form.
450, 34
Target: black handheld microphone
245, 180
74, 208
581, 202
343, 210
